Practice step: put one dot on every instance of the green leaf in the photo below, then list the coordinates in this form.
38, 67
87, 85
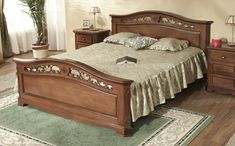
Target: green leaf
37, 13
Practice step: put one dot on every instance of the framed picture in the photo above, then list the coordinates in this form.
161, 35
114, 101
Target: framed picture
86, 24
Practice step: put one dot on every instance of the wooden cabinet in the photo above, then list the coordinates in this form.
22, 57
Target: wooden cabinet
221, 69
87, 37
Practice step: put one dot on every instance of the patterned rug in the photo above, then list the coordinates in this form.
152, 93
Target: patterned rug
7, 83
166, 126
231, 141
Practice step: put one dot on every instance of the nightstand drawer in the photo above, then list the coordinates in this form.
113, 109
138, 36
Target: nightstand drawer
84, 38
222, 69
221, 56
223, 82
88, 37
80, 45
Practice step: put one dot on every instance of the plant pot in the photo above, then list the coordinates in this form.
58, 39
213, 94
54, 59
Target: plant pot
40, 51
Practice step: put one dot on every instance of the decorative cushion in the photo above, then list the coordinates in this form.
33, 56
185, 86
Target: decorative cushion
170, 44
139, 42
120, 38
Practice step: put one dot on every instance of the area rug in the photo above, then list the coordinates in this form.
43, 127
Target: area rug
231, 141
7, 83
166, 126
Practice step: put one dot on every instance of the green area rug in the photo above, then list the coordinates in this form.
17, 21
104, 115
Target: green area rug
28, 126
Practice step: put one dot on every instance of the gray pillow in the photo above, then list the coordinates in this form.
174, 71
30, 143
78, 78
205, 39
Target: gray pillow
170, 44
139, 42
120, 38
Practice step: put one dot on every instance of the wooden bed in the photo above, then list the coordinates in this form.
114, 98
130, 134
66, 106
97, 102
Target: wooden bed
79, 92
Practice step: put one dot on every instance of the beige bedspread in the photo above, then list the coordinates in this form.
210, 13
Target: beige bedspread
157, 76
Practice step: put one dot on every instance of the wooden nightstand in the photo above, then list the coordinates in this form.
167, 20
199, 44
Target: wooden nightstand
87, 37
221, 69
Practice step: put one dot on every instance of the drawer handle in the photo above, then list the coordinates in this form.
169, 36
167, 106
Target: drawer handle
222, 57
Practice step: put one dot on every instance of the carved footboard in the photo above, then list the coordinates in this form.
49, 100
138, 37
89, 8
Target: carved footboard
75, 91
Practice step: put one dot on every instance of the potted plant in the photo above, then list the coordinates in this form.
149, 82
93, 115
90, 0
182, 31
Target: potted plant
37, 13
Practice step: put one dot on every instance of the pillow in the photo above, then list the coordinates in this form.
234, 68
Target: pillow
170, 44
139, 42
120, 38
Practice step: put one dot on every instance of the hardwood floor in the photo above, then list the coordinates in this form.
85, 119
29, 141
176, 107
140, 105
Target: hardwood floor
194, 98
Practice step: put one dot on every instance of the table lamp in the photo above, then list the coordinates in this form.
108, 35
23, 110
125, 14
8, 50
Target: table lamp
231, 20
94, 10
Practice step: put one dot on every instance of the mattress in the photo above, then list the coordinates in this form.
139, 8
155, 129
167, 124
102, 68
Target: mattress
157, 75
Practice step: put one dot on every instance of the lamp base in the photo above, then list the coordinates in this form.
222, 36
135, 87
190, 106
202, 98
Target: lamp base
231, 44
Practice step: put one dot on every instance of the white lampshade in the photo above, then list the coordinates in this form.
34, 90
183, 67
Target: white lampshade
95, 10
230, 20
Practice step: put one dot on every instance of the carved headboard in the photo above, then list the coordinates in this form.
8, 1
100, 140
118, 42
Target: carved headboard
159, 24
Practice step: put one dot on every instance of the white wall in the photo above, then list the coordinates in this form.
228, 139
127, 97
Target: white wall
215, 10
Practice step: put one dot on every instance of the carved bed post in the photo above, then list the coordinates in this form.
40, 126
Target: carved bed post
19, 70
124, 111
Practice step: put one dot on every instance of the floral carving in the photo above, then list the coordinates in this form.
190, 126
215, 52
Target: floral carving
86, 77
175, 22
44, 69
140, 19
160, 20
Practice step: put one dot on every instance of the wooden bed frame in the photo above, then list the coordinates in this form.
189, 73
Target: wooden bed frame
76, 91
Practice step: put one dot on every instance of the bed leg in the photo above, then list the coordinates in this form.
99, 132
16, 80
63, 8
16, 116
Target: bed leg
21, 102
125, 131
